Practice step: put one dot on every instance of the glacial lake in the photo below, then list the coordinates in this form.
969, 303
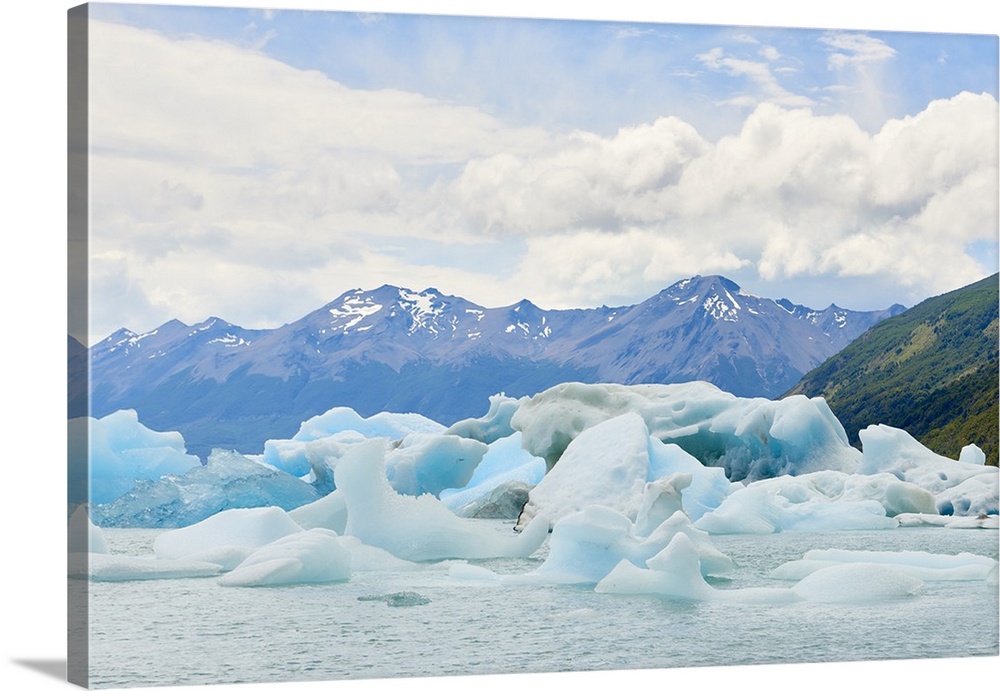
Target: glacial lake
194, 631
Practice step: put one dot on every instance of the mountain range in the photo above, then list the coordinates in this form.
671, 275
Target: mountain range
442, 356
932, 371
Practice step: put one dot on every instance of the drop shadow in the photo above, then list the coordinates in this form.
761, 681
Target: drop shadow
51, 668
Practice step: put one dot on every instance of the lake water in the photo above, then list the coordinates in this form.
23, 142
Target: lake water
193, 631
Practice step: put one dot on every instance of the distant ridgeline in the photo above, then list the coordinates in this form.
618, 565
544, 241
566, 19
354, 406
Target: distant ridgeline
931, 371
392, 349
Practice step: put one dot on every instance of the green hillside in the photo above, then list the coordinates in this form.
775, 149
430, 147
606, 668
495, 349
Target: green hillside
931, 371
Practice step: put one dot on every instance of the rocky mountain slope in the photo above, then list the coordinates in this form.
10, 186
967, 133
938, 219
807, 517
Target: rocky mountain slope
443, 356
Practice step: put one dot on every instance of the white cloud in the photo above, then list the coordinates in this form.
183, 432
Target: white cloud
759, 74
213, 162
226, 183
793, 194
770, 53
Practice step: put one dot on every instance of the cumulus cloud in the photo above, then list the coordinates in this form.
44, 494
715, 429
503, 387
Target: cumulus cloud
226, 183
216, 157
793, 194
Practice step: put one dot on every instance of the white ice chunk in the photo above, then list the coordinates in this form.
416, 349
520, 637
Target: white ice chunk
229, 480
922, 565
825, 517
491, 427
606, 465
972, 454
328, 512
430, 463
912, 520
367, 558
122, 450
233, 528
748, 511
709, 486
675, 573
857, 582
661, 499
959, 488
417, 528
586, 546
118, 567
388, 425
313, 556
750, 438
316, 456
978, 495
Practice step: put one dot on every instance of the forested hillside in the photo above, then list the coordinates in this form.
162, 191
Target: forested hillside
931, 371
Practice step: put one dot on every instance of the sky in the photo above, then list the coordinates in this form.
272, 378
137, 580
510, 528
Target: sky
255, 164
34, 316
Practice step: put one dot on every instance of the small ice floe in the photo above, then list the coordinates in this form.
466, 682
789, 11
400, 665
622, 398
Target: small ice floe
405, 598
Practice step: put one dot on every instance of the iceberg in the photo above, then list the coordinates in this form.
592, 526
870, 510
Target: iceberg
987, 521
313, 460
423, 459
825, 517
922, 565
821, 501
857, 582
429, 463
709, 486
324, 438
661, 499
972, 454
751, 438
228, 481
233, 529
328, 512
894, 495
962, 489
497, 481
121, 451
388, 425
586, 546
747, 511
606, 465
118, 568
675, 573
312, 556
417, 528
492, 426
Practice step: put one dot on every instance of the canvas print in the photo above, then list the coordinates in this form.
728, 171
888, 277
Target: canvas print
411, 345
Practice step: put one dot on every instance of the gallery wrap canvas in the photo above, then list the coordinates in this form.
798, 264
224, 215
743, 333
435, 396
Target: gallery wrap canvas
416, 346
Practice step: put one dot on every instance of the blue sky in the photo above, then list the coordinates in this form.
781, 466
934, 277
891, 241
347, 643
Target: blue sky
254, 164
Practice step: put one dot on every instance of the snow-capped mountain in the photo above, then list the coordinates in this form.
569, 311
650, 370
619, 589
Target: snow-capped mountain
395, 349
